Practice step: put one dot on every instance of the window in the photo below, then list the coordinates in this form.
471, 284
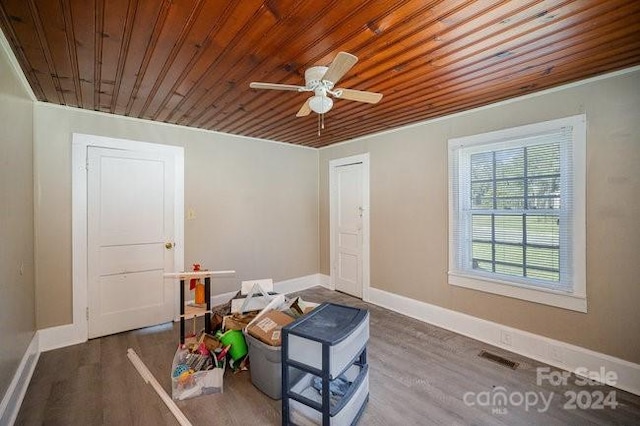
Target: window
516, 212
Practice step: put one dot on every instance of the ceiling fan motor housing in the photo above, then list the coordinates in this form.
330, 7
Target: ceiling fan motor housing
313, 77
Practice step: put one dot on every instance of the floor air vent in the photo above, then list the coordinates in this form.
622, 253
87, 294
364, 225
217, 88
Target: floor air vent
500, 360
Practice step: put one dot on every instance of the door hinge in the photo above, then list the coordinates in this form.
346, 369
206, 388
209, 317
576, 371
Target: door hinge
87, 313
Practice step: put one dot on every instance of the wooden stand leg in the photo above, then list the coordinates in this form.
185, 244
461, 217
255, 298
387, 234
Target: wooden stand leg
207, 297
181, 312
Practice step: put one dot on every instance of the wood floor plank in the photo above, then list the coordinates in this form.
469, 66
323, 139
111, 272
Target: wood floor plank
419, 375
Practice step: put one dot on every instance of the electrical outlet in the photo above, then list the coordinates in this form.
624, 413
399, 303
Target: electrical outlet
506, 338
21, 268
191, 214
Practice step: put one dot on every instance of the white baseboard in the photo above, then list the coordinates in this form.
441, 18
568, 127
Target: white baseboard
325, 281
553, 352
12, 400
59, 337
298, 284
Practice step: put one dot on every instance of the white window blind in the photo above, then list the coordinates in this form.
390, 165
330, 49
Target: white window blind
512, 205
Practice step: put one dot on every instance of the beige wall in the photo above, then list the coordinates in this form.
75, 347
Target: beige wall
255, 203
409, 214
17, 317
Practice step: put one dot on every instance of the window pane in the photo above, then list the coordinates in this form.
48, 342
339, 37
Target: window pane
543, 193
543, 160
485, 266
482, 195
510, 163
509, 254
509, 270
544, 230
482, 251
508, 229
510, 203
547, 258
482, 166
543, 203
510, 188
543, 275
481, 227
544, 186
510, 194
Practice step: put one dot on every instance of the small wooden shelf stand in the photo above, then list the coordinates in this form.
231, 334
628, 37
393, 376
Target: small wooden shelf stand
194, 310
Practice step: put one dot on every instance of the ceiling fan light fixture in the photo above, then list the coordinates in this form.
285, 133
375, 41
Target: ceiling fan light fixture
320, 104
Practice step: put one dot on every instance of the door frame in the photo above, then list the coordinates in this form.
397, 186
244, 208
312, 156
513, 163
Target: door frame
79, 227
333, 212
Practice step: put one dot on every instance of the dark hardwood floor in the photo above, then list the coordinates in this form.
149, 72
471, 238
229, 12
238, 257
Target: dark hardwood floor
419, 375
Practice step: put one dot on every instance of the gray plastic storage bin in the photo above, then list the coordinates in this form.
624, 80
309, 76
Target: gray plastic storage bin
348, 326
265, 367
302, 414
329, 342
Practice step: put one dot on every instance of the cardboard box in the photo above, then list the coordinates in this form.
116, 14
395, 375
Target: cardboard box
267, 328
238, 321
210, 342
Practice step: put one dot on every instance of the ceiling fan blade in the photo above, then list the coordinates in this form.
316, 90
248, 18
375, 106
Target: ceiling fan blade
275, 86
339, 67
360, 96
304, 110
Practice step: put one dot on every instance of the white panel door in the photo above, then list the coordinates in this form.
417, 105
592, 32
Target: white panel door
130, 207
348, 238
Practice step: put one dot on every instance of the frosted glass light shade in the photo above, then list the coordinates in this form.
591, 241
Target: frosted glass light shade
320, 104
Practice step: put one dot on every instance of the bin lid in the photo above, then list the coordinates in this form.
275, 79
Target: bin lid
328, 323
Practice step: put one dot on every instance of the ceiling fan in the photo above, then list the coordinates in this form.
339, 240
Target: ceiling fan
321, 81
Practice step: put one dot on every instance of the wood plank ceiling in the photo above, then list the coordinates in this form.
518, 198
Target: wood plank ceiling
190, 62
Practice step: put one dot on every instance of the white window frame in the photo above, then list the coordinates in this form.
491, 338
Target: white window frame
576, 297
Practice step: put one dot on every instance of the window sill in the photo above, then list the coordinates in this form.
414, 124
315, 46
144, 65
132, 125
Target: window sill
542, 296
